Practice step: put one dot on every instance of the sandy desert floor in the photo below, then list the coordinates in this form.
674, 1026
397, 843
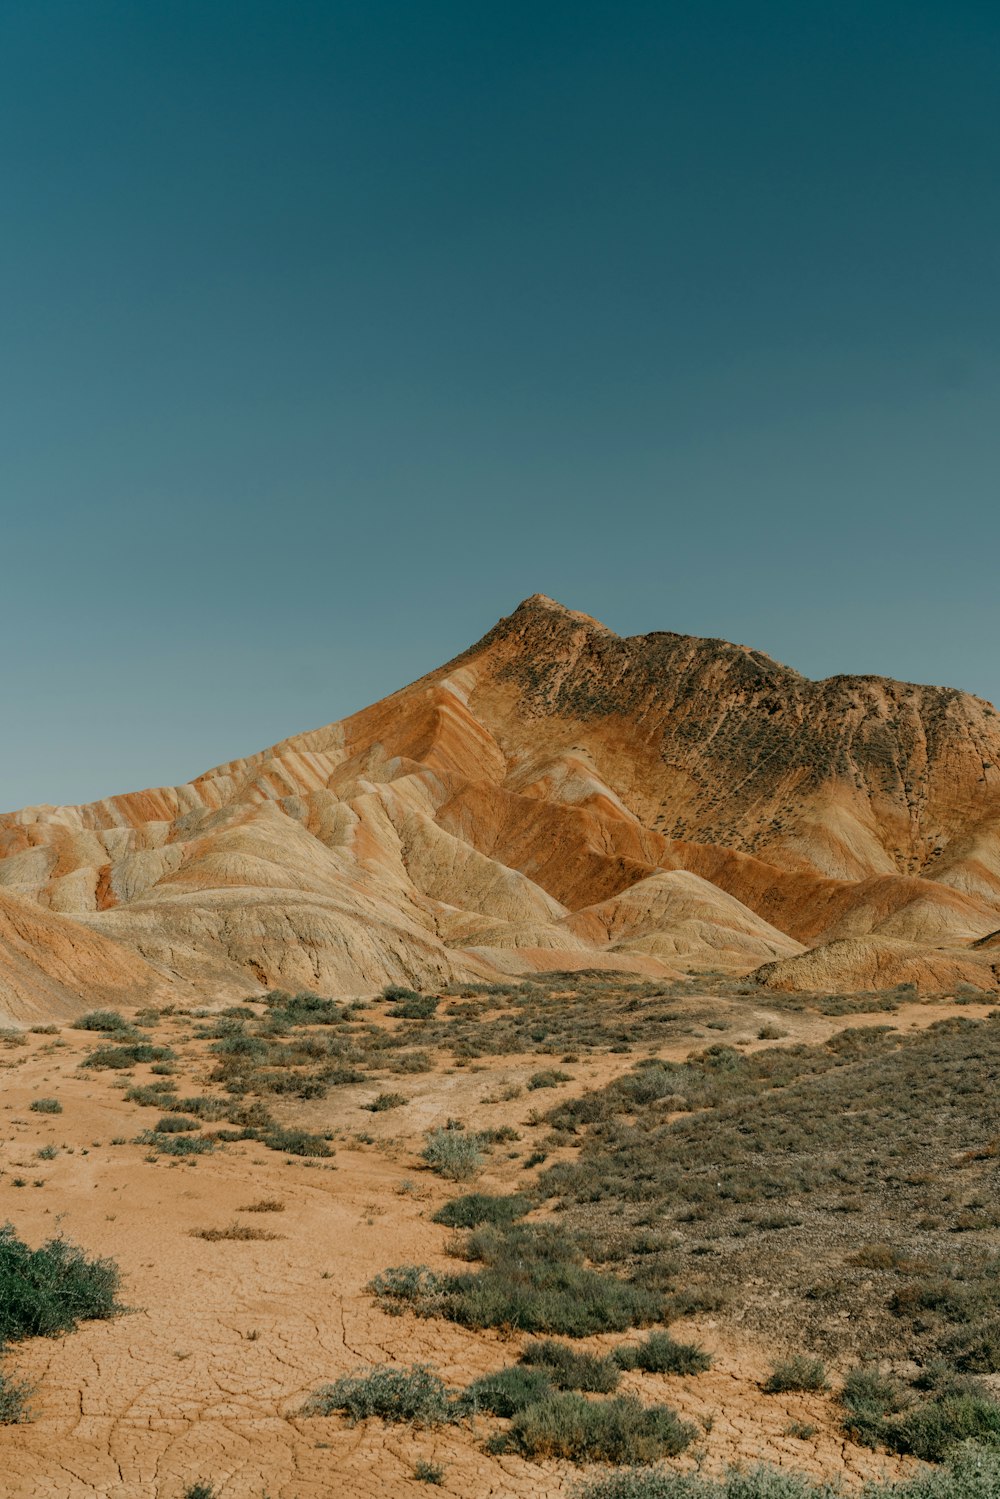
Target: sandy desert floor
205, 1377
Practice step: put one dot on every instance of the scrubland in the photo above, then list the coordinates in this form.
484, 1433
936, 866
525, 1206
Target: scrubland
582, 1234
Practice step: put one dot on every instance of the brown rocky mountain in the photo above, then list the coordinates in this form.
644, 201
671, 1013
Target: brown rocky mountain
555, 797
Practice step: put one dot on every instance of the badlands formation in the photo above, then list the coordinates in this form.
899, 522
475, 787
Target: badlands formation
556, 797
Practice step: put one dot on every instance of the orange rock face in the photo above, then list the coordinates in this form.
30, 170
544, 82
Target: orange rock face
555, 797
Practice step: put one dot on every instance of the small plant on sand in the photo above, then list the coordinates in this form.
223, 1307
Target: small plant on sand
263, 1205
177, 1145
752, 1483
549, 1077
570, 1370
295, 1141
477, 1208
949, 1409
798, 1373
532, 1278
415, 1394
382, 1102
128, 1054
661, 1354
45, 1106
176, 1124
102, 1020
416, 1009
233, 1231
453, 1153
506, 1391
973, 1473
618, 1430
47, 1291
425, 1472
14, 1400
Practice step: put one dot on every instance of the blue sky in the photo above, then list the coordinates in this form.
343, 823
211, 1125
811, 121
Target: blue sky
331, 331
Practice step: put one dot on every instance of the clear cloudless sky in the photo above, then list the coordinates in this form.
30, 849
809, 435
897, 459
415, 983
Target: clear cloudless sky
329, 331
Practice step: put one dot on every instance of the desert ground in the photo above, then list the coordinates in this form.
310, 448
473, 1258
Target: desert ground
204, 1376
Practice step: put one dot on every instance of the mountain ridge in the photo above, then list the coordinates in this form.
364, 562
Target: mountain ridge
553, 795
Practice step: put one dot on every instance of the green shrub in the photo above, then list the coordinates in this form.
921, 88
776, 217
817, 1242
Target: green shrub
798, 1373
201, 1490
619, 1430
661, 1354
179, 1145
531, 1280
382, 1102
752, 1483
501, 1135
201, 1106
303, 1009
394, 992
507, 1391
453, 1154
415, 1394
405, 1063
932, 1429
425, 1472
954, 1409
549, 1077
524, 1242
416, 1009
570, 1370
240, 1045
974, 1349
176, 1124
45, 1106
479, 1207
221, 1026
870, 1397
129, 1054
151, 1095
973, 1473
102, 1020
49, 1290
295, 1142
14, 1400
547, 1296
255, 1115
406, 1285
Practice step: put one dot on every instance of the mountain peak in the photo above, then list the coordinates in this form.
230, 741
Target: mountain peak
541, 603
557, 796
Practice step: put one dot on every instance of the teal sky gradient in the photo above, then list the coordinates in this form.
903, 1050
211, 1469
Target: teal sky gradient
330, 331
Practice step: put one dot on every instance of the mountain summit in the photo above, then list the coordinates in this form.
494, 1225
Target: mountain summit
557, 796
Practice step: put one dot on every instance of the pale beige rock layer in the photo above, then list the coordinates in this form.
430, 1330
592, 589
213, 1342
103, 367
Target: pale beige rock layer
557, 796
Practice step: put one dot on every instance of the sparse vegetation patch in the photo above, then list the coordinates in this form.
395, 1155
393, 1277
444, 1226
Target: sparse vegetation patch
617, 1430
416, 1395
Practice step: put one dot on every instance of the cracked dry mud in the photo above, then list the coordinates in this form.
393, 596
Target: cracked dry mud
205, 1377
